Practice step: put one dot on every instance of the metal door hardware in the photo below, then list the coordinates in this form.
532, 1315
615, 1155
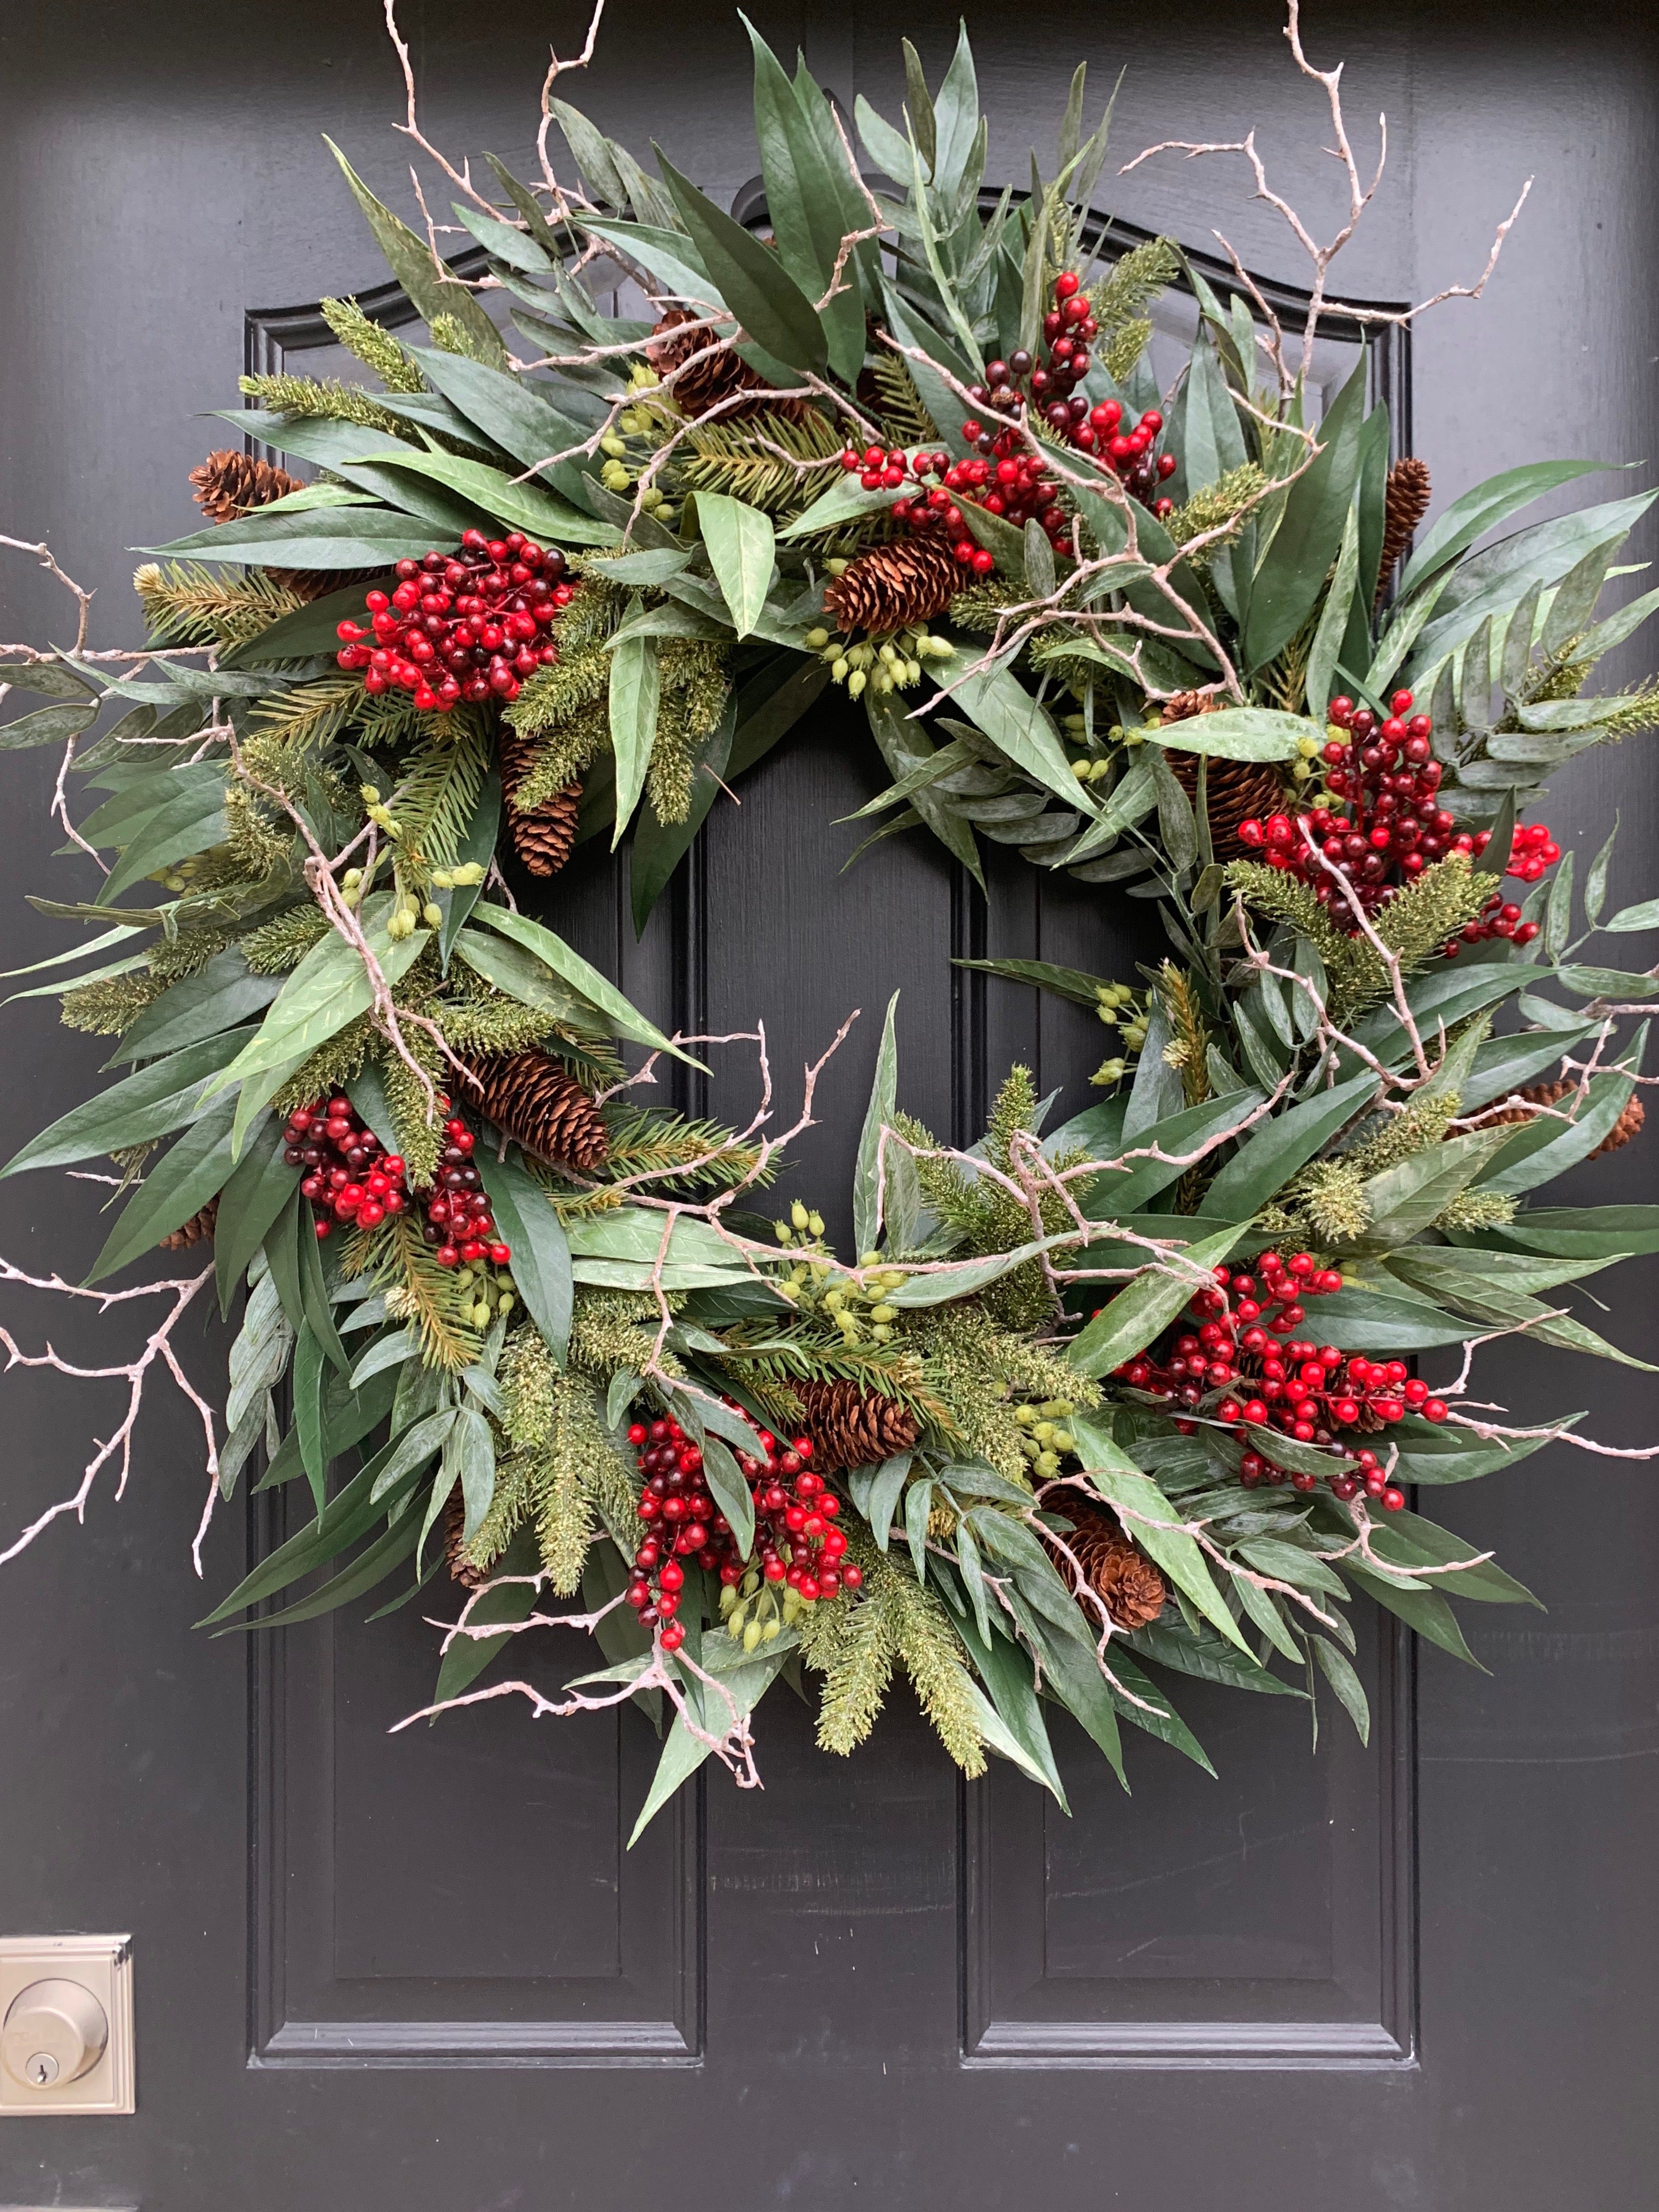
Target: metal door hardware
65, 2024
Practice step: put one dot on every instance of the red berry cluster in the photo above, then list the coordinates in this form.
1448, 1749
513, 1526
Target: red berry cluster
1049, 381
1533, 850
796, 1541
1394, 825
1223, 1361
936, 512
468, 625
457, 1220
348, 1176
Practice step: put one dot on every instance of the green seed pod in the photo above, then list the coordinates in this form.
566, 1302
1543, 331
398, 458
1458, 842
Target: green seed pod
505, 1304
769, 1629
817, 638
751, 1636
728, 1597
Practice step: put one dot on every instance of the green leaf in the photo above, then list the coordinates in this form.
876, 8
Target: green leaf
1237, 733
323, 538
904, 745
803, 204
313, 1297
511, 414
682, 1754
1146, 1306
752, 280
530, 1226
1066, 983
522, 977
1405, 1199
961, 1278
176, 1187
330, 988
658, 847
556, 954
47, 726
730, 1491
867, 1174
1483, 508
1020, 729
636, 684
1644, 916
260, 1185
158, 1099
523, 505
217, 997
470, 1449
1333, 620
418, 270
1350, 1691
1362, 1319
48, 678
1421, 1608
1309, 538
1273, 1152
343, 1519
885, 1493
309, 1375
1602, 1232
1209, 1658
956, 120
742, 552
1149, 1518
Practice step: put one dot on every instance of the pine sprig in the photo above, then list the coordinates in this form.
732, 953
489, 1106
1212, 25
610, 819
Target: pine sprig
436, 798
374, 345
895, 1621
904, 418
328, 401
416, 1288
743, 460
186, 604
667, 1146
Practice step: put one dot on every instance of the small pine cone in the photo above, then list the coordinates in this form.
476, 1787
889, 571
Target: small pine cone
1124, 1578
720, 375
853, 1427
1182, 706
1628, 1125
907, 580
461, 1569
1234, 791
229, 483
197, 1231
1405, 503
545, 838
538, 1101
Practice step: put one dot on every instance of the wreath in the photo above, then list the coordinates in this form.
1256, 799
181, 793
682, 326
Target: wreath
1088, 1407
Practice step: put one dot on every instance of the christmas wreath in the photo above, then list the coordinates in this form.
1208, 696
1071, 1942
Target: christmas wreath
1089, 1407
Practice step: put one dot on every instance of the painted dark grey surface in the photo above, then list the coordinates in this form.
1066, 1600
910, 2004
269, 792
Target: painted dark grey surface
417, 1973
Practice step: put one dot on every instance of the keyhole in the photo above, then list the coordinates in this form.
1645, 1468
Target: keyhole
43, 2070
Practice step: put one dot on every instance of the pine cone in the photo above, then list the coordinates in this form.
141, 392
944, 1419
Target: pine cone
229, 483
461, 1569
1627, 1126
544, 838
909, 579
721, 374
1234, 791
536, 1100
853, 1427
1124, 1578
197, 1231
1405, 503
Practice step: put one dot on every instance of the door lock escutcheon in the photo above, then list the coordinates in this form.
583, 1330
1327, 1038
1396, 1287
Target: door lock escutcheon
65, 2024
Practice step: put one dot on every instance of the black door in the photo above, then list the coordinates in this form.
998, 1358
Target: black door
419, 1973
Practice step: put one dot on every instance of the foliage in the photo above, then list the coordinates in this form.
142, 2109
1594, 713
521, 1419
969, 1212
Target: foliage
1351, 1072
